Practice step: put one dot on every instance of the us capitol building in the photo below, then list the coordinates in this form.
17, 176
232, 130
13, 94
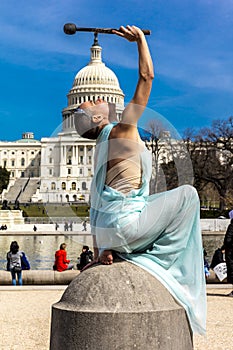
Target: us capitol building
59, 169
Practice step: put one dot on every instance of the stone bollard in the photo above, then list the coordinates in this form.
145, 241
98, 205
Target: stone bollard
118, 307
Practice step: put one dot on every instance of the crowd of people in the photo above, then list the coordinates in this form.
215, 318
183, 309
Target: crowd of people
17, 261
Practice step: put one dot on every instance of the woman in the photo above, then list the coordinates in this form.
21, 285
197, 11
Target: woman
14, 262
161, 232
61, 262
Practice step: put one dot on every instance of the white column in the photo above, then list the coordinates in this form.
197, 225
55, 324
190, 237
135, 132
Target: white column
85, 155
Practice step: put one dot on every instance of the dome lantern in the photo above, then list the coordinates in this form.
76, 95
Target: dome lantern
96, 51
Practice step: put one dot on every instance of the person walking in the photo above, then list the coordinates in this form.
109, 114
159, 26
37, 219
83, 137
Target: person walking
84, 225
14, 263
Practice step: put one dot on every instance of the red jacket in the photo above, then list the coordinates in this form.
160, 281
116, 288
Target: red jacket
61, 262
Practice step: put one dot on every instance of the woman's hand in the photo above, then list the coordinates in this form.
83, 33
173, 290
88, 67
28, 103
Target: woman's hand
131, 33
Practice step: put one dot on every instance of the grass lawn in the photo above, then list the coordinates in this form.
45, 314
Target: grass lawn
55, 210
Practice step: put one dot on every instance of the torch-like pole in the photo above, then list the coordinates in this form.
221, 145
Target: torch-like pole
70, 29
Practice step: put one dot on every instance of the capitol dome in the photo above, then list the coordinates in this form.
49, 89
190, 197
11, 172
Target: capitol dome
92, 82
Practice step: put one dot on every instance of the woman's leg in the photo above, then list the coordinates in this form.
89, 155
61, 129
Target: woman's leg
13, 276
167, 221
70, 266
19, 275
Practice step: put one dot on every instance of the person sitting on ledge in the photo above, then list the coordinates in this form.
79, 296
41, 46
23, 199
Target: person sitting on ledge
85, 257
61, 263
218, 257
161, 232
228, 243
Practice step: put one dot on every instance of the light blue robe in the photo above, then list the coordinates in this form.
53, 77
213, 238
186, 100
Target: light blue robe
160, 233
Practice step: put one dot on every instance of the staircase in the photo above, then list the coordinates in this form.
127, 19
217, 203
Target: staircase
29, 190
15, 189
22, 190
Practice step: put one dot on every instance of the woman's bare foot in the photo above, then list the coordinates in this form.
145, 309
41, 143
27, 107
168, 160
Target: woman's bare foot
106, 257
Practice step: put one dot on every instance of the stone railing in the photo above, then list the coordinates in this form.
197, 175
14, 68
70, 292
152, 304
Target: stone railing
41, 277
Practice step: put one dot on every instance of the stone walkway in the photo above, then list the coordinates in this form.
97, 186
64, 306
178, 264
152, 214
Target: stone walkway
26, 311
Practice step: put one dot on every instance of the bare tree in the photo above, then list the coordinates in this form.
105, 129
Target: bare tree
171, 166
211, 151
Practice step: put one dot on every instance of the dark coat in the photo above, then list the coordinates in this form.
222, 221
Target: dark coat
217, 258
85, 258
228, 242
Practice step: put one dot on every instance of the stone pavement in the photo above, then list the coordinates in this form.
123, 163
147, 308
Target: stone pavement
26, 311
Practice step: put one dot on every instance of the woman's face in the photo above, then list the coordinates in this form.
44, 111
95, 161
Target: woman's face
95, 108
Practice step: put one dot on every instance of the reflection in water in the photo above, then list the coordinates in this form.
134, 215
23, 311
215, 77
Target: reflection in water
40, 250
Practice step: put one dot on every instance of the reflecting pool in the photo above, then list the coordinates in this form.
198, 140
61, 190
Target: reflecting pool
40, 250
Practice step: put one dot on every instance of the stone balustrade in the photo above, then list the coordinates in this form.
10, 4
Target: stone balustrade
41, 277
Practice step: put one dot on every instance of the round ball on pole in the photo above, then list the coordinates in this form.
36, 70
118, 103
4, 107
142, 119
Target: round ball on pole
70, 28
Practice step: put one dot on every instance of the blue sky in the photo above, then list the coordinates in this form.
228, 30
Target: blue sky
191, 46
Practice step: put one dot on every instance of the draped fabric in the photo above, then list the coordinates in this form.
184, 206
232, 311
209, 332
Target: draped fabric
160, 233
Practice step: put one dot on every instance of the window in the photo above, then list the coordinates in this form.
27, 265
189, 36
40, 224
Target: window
84, 186
50, 171
53, 186
32, 152
12, 162
50, 160
69, 171
4, 163
12, 174
81, 160
33, 162
89, 159
22, 173
81, 171
73, 185
22, 162
63, 185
